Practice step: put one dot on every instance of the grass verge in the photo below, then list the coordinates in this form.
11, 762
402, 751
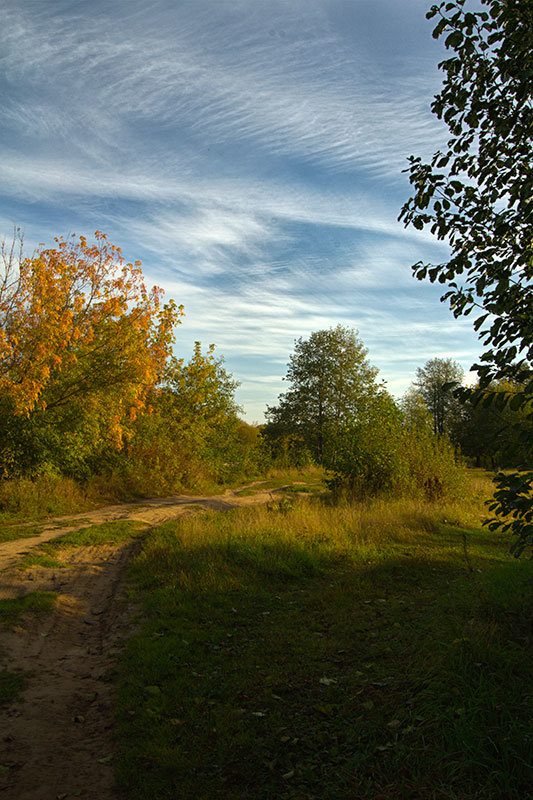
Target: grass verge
353, 652
48, 554
45, 496
9, 533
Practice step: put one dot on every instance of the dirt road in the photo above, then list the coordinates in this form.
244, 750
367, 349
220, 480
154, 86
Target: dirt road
153, 512
57, 743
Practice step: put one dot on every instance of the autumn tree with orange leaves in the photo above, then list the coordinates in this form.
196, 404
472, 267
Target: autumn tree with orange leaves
79, 330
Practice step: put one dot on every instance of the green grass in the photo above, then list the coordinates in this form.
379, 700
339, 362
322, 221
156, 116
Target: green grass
351, 652
12, 609
47, 554
38, 557
9, 533
12, 531
11, 685
106, 533
304, 488
280, 488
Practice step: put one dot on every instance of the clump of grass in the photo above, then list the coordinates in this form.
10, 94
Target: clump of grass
11, 685
37, 558
11, 609
47, 554
311, 473
304, 488
105, 533
328, 652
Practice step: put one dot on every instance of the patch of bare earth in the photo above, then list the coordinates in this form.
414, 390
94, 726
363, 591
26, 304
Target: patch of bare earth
57, 742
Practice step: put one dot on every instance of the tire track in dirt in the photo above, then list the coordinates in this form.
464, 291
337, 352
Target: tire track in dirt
53, 741
57, 743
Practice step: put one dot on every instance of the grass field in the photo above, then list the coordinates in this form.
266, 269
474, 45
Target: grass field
306, 651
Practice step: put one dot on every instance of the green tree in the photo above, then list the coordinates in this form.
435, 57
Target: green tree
477, 196
415, 413
331, 385
191, 434
491, 433
434, 383
203, 399
204, 393
367, 449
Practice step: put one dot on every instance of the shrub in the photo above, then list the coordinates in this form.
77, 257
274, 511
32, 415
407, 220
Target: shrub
379, 455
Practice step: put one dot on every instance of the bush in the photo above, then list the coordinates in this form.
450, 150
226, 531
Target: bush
379, 455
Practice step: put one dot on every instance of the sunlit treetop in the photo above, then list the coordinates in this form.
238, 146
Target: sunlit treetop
76, 321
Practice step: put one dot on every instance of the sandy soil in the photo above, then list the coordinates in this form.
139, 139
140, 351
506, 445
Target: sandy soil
57, 743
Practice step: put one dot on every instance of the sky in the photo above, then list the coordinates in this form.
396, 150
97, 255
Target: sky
250, 154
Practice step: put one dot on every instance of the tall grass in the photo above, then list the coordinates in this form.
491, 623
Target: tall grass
314, 651
51, 494
317, 530
46, 495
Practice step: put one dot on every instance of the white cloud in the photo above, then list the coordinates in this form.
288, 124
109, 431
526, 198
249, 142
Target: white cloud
53, 179
224, 77
227, 141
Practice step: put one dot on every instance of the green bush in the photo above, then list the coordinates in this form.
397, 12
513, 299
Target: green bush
380, 455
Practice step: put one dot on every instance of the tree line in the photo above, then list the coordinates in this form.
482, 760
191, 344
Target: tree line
337, 412
90, 388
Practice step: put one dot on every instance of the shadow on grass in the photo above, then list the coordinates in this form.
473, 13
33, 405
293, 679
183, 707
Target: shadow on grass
272, 669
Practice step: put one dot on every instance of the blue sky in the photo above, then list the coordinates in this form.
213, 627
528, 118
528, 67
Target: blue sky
250, 153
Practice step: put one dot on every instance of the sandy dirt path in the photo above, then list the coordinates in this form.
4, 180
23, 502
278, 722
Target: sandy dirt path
153, 511
57, 742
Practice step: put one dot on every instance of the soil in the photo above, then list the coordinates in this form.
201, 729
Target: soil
57, 741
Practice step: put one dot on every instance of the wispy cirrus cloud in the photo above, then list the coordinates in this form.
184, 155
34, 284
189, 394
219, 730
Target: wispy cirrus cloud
248, 151
292, 86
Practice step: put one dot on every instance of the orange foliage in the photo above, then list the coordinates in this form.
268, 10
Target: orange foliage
77, 321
